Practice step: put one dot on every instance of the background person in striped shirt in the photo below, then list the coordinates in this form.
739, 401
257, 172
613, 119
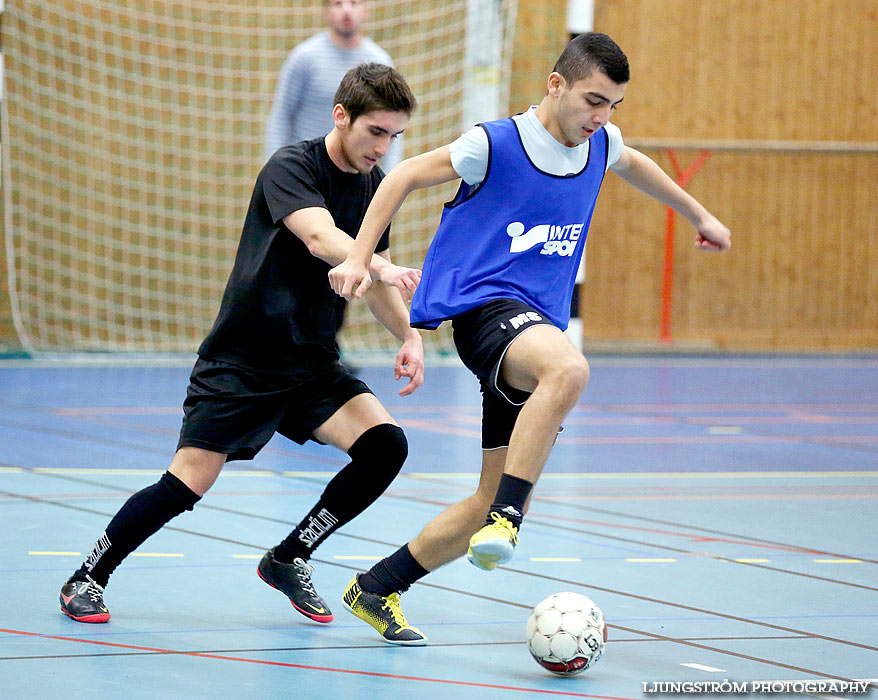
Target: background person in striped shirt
310, 75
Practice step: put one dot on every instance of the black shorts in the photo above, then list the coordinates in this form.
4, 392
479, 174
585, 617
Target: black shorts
482, 336
235, 411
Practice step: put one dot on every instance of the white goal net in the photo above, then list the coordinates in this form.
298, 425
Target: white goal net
132, 133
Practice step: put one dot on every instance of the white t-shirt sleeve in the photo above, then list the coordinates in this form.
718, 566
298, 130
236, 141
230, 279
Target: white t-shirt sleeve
469, 155
614, 144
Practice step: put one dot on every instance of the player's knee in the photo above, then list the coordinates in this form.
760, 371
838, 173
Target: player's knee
384, 448
568, 377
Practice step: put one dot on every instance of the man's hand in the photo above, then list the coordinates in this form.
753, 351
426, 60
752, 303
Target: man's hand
405, 279
410, 363
350, 279
712, 235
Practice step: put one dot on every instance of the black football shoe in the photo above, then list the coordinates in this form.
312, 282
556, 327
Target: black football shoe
84, 601
294, 581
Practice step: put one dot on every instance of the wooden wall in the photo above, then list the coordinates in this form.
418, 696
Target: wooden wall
803, 270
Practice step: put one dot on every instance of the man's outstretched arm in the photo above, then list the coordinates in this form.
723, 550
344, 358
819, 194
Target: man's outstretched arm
351, 279
645, 174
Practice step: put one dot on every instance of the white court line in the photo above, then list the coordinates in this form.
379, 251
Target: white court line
709, 669
248, 556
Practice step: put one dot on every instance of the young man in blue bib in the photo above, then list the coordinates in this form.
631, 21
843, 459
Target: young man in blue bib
502, 267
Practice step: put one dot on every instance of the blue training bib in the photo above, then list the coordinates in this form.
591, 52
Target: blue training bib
519, 235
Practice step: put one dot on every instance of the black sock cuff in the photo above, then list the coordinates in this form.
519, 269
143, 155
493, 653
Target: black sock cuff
394, 573
513, 490
403, 561
183, 496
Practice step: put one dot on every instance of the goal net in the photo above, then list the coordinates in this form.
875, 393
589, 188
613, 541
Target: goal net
132, 133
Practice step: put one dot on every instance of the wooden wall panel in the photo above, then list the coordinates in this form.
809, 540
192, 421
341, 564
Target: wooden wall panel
749, 69
802, 273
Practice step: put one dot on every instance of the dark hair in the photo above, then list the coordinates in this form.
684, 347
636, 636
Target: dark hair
370, 87
586, 53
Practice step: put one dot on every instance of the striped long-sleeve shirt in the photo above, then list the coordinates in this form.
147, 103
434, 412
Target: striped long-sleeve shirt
303, 103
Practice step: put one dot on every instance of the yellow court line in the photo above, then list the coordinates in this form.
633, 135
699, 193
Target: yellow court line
73, 470
838, 561
357, 558
650, 561
56, 554
311, 473
156, 554
11, 470
248, 556
752, 561
555, 559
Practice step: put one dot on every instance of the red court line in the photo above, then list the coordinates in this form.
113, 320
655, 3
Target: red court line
311, 668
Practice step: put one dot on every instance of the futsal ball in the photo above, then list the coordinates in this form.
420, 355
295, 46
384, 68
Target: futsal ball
566, 633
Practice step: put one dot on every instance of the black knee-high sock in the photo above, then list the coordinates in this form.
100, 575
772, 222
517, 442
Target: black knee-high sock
394, 573
511, 496
141, 516
376, 458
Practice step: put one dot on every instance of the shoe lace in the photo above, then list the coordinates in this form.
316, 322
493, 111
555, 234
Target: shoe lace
391, 604
303, 573
93, 590
505, 525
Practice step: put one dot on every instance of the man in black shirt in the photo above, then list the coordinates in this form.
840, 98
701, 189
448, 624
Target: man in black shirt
271, 363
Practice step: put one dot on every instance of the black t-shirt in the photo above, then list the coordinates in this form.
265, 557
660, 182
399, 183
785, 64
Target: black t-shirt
279, 315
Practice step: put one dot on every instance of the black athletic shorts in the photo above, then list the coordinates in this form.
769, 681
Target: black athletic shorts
482, 336
235, 411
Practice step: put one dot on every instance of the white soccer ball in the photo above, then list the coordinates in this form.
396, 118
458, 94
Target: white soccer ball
566, 633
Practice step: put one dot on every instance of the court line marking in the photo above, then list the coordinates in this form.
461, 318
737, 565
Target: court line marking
282, 664
709, 669
705, 555
734, 653
555, 559
648, 560
752, 561
664, 475
335, 647
537, 575
838, 561
838, 474
681, 606
758, 540
248, 556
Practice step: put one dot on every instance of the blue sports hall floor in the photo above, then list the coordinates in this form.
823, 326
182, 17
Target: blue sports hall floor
720, 510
